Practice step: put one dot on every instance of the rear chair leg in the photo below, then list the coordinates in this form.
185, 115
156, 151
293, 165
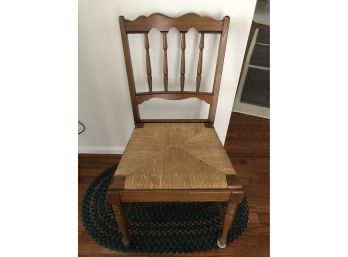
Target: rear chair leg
229, 216
121, 222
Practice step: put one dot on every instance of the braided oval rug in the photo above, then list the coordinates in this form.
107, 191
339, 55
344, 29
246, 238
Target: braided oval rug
157, 227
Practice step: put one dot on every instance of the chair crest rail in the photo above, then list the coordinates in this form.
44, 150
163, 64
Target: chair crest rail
183, 23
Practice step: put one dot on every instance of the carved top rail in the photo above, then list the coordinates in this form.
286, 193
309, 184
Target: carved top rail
183, 23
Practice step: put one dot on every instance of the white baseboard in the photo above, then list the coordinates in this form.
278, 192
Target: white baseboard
101, 149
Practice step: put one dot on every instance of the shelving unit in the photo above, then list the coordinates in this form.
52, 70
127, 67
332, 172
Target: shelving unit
253, 93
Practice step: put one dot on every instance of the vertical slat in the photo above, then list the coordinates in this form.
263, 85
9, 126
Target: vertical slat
148, 62
200, 61
182, 67
165, 61
219, 67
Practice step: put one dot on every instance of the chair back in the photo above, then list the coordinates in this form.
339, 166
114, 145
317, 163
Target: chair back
183, 23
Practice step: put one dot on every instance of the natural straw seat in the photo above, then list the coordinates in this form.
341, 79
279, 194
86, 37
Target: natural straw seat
174, 156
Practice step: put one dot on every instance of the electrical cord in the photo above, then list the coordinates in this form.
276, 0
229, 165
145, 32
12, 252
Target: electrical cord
83, 125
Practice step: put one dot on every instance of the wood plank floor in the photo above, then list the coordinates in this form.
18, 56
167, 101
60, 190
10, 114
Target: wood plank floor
247, 144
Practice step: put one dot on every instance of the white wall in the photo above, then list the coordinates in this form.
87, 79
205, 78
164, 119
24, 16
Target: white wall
104, 102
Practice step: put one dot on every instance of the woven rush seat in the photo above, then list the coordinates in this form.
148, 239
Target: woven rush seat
174, 156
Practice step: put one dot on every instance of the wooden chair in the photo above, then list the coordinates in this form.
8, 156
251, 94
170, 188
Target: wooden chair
174, 160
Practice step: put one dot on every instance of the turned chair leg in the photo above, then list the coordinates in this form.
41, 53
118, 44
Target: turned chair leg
121, 222
229, 216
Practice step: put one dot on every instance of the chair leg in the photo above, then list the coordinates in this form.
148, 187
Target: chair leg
229, 216
121, 222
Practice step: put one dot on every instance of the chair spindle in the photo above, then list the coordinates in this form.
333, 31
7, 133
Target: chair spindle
165, 61
148, 62
200, 61
182, 67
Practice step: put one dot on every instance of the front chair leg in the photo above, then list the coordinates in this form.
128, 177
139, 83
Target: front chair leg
121, 222
229, 216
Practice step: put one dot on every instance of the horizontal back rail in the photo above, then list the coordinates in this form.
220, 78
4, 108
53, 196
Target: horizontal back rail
207, 97
183, 23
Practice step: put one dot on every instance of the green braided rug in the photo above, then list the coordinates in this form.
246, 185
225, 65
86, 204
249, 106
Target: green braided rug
157, 227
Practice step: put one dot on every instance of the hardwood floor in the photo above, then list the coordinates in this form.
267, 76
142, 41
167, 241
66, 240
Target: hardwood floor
247, 144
